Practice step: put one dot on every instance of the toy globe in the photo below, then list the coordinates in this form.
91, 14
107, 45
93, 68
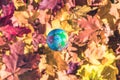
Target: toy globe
57, 39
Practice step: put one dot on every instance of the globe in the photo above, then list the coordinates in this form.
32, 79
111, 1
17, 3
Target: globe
57, 39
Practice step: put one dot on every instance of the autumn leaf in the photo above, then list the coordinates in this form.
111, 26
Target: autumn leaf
17, 62
112, 70
38, 39
54, 62
7, 12
109, 14
97, 2
31, 75
70, 4
61, 64
50, 4
19, 3
9, 31
88, 27
80, 11
114, 10
90, 72
22, 16
11, 67
66, 26
2, 42
94, 52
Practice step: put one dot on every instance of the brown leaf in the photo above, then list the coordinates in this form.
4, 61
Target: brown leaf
31, 75
60, 62
55, 62
94, 52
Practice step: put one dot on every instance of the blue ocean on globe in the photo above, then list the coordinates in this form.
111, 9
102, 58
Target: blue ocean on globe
57, 39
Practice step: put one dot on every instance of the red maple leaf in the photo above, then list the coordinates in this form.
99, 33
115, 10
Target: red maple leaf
9, 31
17, 62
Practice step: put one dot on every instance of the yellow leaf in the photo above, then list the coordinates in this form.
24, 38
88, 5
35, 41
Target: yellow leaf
28, 49
109, 55
21, 17
50, 70
67, 27
18, 3
28, 40
64, 16
56, 24
37, 1
7, 53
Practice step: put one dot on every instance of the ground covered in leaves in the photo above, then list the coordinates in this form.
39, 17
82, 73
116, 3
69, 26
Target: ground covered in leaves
92, 51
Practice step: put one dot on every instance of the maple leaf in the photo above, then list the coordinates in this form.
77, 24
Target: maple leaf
97, 2
80, 11
88, 26
17, 48
70, 4
50, 4
9, 31
61, 64
101, 36
114, 11
29, 61
11, 71
38, 39
71, 51
17, 62
54, 62
8, 11
18, 4
20, 17
109, 14
94, 52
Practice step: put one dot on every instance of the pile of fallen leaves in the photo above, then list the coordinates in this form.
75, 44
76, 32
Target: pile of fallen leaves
92, 51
